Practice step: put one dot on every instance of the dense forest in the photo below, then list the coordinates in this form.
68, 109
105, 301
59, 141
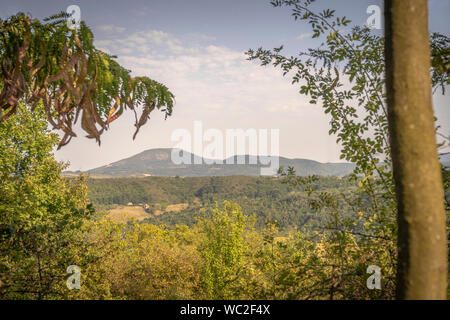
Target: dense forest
265, 197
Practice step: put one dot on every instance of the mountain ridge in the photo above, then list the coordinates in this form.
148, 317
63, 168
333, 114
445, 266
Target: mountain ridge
157, 162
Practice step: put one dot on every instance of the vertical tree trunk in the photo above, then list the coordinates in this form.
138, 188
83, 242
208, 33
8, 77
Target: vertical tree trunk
422, 243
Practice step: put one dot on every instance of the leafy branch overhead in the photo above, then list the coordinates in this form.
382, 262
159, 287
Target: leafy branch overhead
345, 75
51, 63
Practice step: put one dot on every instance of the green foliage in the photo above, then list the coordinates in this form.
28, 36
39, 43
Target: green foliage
265, 197
345, 75
254, 253
40, 212
222, 251
224, 257
137, 261
440, 60
358, 109
48, 62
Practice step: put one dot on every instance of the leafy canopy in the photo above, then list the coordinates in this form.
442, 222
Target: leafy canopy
46, 61
40, 211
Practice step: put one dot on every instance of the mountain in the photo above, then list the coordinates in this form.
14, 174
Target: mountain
157, 162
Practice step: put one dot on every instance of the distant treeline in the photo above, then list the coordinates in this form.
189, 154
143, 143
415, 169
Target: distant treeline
265, 197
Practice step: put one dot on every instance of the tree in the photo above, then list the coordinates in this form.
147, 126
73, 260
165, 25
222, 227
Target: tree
422, 241
346, 76
48, 62
40, 211
222, 250
137, 261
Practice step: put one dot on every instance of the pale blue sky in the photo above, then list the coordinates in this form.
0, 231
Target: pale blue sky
196, 48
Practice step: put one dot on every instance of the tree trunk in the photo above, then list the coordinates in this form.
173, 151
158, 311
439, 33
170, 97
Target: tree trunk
422, 243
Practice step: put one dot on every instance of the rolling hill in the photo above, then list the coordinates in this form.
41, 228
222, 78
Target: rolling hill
157, 162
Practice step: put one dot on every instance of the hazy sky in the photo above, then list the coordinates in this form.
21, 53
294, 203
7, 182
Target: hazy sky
196, 48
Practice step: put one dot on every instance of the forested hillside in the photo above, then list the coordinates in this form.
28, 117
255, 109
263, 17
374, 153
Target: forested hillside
265, 197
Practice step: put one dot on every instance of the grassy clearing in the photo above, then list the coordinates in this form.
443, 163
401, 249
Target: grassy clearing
123, 213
